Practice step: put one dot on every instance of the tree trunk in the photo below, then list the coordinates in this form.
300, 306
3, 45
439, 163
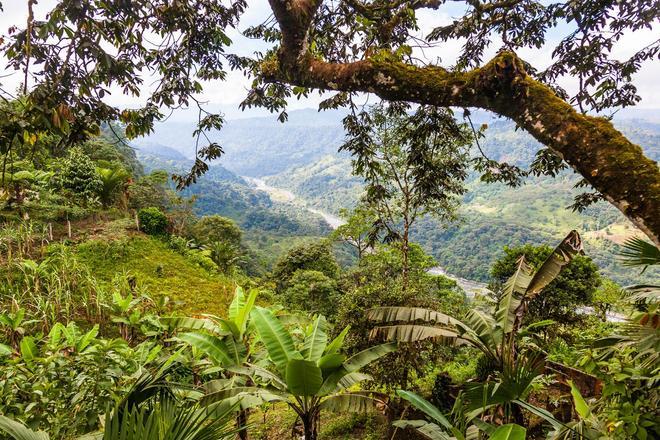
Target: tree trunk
309, 427
612, 164
405, 249
241, 422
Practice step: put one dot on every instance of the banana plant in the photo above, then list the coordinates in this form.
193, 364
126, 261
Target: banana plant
224, 342
309, 378
437, 427
493, 334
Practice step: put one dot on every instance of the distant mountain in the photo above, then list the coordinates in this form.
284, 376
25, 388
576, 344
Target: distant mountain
159, 150
301, 156
220, 191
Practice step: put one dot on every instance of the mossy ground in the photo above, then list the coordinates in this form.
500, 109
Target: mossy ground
158, 269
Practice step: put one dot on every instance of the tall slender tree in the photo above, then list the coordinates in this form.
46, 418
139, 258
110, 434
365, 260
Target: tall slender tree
412, 164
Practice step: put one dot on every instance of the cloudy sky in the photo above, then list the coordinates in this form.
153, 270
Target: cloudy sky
226, 95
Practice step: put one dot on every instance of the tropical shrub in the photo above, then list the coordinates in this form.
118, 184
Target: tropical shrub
215, 228
77, 175
311, 291
315, 256
153, 221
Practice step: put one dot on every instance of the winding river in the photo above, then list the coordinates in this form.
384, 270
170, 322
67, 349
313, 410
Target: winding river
470, 287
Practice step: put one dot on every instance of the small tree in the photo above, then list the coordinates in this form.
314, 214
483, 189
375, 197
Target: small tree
113, 181
607, 297
312, 291
358, 229
315, 256
572, 288
413, 165
215, 228
77, 175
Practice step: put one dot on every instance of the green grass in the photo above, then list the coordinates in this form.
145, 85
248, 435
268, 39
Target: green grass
162, 271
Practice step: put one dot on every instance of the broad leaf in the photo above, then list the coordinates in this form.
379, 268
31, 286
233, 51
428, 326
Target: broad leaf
367, 356
18, 431
5, 350
408, 314
512, 294
352, 379
237, 303
316, 340
29, 348
338, 342
414, 333
212, 346
581, 406
570, 246
243, 313
277, 340
331, 361
509, 432
352, 402
425, 406
87, 338
428, 429
303, 377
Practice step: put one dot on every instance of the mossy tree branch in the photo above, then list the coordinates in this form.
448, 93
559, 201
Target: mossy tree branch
612, 164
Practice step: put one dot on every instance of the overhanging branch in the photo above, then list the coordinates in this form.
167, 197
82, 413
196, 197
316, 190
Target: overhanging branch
612, 164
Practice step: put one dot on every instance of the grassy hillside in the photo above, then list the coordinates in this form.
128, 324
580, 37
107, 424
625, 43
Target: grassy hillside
156, 268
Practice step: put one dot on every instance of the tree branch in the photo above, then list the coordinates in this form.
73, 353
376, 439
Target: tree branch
612, 164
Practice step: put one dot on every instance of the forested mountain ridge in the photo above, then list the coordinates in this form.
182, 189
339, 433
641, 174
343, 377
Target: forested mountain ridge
492, 215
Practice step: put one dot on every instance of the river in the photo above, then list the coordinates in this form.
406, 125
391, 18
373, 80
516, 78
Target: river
470, 287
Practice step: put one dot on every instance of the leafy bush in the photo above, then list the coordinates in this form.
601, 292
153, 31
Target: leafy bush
78, 176
153, 221
312, 291
215, 228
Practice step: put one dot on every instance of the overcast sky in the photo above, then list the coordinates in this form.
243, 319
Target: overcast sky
226, 95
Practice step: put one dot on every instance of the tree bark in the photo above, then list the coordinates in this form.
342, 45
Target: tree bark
405, 250
612, 164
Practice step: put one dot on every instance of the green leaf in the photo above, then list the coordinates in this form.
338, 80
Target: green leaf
5, 350
365, 357
237, 303
338, 342
243, 313
331, 361
87, 338
316, 340
277, 340
303, 377
29, 349
18, 431
581, 406
509, 432
425, 406
212, 346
